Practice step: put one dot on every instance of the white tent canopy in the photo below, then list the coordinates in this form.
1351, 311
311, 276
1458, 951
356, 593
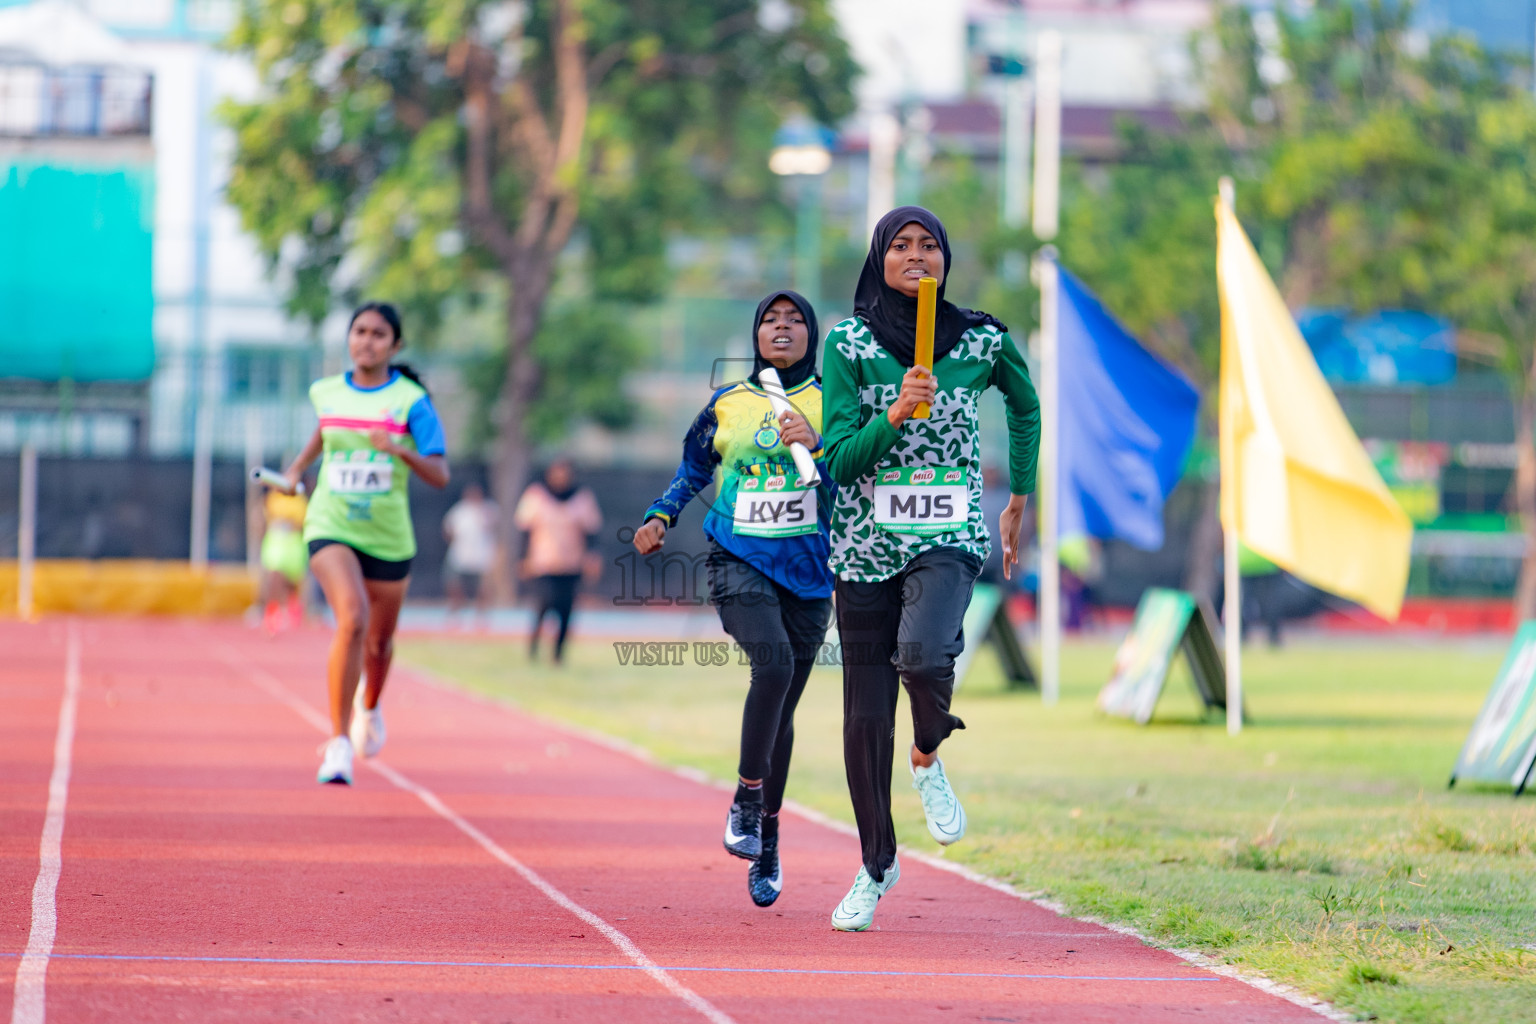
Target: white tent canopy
58, 34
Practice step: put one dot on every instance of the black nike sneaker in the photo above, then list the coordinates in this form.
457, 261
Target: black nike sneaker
765, 876
744, 830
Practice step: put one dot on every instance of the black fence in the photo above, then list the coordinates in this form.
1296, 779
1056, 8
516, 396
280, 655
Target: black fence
142, 508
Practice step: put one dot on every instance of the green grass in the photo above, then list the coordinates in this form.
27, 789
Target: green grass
1320, 847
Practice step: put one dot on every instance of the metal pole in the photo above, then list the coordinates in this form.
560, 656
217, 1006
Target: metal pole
884, 140
1048, 492
1232, 611
202, 441
1016, 152
1047, 184
1047, 198
26, 537
1018, 97
808, 237
254, 493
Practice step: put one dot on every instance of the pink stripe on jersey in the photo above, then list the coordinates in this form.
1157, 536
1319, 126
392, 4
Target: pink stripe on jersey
349, 423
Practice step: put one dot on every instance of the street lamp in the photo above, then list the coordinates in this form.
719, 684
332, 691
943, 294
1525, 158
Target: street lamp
802, 150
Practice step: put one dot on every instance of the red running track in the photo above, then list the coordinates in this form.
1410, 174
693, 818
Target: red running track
496, 869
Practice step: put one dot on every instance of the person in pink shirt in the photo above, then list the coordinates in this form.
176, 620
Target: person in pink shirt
561, 519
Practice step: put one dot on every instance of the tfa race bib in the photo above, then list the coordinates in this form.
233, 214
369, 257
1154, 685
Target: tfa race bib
361, 477
923, 500
774, 506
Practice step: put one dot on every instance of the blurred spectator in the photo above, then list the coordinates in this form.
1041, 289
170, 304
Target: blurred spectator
284, 559
470, 529
561, 519
1081, 567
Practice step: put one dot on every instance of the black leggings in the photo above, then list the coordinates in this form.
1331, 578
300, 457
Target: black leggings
781, 634
905, 628
553, 594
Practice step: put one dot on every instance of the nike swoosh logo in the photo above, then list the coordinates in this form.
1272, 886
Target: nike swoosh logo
731, 838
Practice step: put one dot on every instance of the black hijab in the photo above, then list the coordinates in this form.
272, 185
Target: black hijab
891, 315
795, 375
569, 490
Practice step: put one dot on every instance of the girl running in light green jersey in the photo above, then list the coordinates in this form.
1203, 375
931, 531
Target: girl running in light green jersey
377, 426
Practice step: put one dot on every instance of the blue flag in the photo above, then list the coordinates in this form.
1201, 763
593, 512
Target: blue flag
1127, 422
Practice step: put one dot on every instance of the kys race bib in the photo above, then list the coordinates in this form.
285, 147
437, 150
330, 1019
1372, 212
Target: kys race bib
773, 506
922, 500
360, 477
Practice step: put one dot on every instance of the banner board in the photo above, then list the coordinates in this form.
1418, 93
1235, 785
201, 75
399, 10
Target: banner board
986, 621
1167, 621
1502, 745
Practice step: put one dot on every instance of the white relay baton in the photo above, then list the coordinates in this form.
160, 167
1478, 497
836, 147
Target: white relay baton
275, 480
769, 378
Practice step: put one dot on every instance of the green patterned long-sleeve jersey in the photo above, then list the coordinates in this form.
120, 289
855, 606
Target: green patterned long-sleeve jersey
890, 508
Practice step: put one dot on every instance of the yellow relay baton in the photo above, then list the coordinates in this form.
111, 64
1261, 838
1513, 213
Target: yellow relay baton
927, 307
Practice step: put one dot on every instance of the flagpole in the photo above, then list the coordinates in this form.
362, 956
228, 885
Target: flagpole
1232, 612
1046, 220
1047, 275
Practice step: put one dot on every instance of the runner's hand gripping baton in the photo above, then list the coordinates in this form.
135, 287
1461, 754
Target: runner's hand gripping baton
275, 480
927, 306
769, 378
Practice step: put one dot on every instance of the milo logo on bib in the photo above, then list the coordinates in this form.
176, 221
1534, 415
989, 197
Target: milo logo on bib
922, 501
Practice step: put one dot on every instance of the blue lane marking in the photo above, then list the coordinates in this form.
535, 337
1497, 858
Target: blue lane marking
318, 961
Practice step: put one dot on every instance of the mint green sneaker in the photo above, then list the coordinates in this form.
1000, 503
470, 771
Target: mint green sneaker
857, 911
946, 818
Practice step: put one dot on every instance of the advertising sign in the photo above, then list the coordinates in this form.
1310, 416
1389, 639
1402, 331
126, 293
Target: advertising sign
1167, 621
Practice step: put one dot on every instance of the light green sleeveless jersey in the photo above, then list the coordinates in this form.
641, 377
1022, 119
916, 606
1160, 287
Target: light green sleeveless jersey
361, 498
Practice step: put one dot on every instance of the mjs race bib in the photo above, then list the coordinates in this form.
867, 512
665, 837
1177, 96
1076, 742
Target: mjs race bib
774, 506
923, 500
360, 477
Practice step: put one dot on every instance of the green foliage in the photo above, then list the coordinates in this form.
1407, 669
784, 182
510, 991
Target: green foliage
1145, 242
582, 350
624, 121
1370, 974
1371, 173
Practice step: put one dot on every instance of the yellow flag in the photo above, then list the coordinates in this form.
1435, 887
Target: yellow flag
1296, 484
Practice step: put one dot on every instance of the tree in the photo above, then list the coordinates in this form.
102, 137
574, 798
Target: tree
421, 145
1374, 171
1408, 179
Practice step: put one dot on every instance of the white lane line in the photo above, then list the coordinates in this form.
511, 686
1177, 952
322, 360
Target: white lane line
1291, 995
624, 943
28, 1006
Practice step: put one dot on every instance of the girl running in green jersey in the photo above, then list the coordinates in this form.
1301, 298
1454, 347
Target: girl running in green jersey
908, 539
377, 426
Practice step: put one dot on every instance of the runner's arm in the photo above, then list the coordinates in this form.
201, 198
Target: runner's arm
1011, 377
433, 469
428, 460
851, 449
301, 462
693, 474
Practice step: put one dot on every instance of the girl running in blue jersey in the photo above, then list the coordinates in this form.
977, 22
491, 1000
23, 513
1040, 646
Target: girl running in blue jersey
377, 427
768, 574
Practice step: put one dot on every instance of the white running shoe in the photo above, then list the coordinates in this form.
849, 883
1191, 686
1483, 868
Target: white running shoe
946, 818
857, 911
367, 728
336, 766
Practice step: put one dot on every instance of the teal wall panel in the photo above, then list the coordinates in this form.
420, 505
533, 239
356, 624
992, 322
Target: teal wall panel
76, 272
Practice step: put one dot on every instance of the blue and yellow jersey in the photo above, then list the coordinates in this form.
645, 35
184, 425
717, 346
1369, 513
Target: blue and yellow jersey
735, 444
